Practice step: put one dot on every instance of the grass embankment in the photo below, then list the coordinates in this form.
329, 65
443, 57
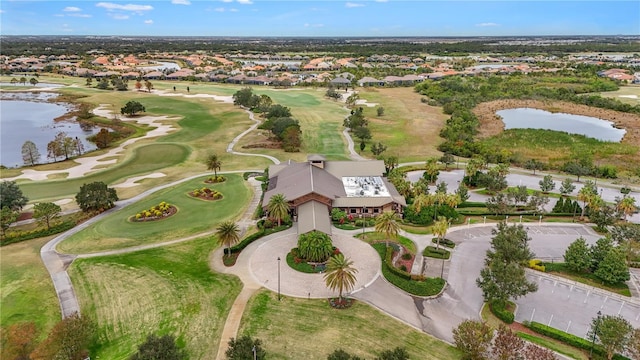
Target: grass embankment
286, 326
26, 290
560, 269
166, 290
194, 216
408, 127
528, 335
557, 147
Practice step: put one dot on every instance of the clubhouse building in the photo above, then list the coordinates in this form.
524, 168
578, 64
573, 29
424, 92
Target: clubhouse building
315, 187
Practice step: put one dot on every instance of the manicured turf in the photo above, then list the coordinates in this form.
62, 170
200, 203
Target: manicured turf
375, 237
194, 216
161, 291
26, 290
145, 159
311, 329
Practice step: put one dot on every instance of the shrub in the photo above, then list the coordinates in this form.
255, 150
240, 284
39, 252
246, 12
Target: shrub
14, 237
433, 252
315, 246
498, 309
157, 212
444, 242
406, 256
536, 264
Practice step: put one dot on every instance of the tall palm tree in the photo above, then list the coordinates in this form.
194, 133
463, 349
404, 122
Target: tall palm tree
278, 207
586, 195
213, 163
340, 274
228, 234
626, 206
439, 229
422, 201
387, 224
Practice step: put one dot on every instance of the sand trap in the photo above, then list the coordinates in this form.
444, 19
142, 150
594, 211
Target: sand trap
63, 201
366, 103
628, 96
224, 99
131, 182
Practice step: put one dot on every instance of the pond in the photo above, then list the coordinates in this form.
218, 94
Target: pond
526, 118
29, 116
10, 86
162, 65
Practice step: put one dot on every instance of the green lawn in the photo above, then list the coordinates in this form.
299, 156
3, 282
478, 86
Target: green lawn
144, 159
194, 216
562, 270
375, 237
161, 291
26, 291
311, 329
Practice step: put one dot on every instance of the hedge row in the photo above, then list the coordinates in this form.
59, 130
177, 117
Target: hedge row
388, 262
569, 339
255, 236
498, 309
38, 233
444, 242
433, 252
426, 287
536, 264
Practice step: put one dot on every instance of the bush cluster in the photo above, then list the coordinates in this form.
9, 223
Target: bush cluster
205, 192
500, 311
433, 252
566, 206
444, 242
568, 339
536, 264
415, 285
18, 236
156, 212
215, 179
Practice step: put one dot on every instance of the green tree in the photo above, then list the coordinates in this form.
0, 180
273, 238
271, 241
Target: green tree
431, 170
387, 224
612, 332
567, 187
578, 169
378, 148
340, 275
501, 281
242, 97
278, 208
626, 206
603, 216
132, 107
11, 196
447, 159
510, 244
613, 268
380, 111
7, 217
441, 188
277, 111
213, 164
439, 229
30, 153
149, 86
599, 251
533, 164
463, 192
340, 354
46, 213
634, 344
103, 138
159, 348
498, 204
547, 184
518, 194
315, 246
362, 133
96, 196
578, 256
473, 339
245, 348
69, 339
390, 163
228, 234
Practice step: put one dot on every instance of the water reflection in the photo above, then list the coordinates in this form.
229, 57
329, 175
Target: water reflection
526, 118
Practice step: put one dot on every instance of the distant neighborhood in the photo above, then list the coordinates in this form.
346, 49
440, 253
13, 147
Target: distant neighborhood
292, 70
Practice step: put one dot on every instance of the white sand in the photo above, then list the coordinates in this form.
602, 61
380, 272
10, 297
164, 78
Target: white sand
628, 96
131, 182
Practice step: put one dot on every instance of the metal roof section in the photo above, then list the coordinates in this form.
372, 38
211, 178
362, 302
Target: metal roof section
313, 215
365, 186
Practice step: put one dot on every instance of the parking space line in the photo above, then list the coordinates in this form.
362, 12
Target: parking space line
586, 297
551, 319
621, 306
604, 302
569, 325
533, 313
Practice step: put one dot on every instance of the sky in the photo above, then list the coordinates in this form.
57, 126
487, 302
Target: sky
313, 18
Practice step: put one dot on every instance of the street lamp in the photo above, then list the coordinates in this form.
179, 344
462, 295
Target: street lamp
364, 220
595, 332
278, 278
255, 354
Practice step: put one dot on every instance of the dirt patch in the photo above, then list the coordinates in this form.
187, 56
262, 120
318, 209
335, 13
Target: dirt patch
491, 124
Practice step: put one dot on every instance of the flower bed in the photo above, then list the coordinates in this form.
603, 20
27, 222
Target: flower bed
158, 212
215, 179
206, 194
341, 303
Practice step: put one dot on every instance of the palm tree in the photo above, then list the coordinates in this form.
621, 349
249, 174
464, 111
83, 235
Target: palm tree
214, 163
228, 234
585, 195
340, 274
387, 224
439, 229
626, 206
278, 207
423, 200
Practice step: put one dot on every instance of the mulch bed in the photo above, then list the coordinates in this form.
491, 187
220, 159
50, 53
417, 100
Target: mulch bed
205, 197
407, 263
172, 211
345, 303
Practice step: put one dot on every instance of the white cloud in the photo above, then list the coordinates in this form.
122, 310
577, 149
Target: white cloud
219, 9
313, 25
127, 7
80, 15
353, 5
120, 16
71, 9
381, 0
245, 2
1, 11
181, 2
233, 10
148, 21
487, 24
227, 1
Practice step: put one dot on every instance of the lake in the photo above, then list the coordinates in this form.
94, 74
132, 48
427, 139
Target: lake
28, 116
526, 118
